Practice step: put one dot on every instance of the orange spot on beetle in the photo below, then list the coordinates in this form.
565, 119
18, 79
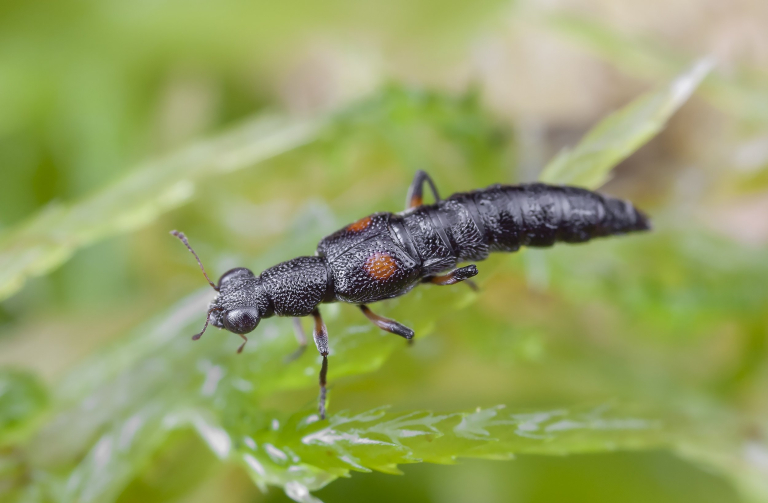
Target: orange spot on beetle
360, 225
416, 201
380, 266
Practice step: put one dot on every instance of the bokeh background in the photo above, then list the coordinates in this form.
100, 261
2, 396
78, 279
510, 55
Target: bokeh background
97, 96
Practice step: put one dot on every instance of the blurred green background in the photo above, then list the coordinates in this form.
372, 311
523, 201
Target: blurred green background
259, 127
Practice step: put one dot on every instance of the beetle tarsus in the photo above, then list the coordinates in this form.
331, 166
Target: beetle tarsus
453, 277
387, 325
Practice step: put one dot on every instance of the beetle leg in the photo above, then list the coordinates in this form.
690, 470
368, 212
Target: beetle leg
301, 338
323, 389
453, 277
320, 334
386, 324
415, 195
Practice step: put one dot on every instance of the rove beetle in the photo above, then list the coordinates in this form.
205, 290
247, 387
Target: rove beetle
385, 255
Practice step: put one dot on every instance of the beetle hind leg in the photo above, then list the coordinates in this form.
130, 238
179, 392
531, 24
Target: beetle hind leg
455, 276
415, 195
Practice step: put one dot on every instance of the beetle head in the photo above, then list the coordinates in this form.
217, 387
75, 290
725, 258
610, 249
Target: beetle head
241, 302
237, 306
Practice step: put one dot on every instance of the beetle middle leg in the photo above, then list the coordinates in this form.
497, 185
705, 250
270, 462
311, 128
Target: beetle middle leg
455, 276
415, 195
301, 338
387, 325
320, 334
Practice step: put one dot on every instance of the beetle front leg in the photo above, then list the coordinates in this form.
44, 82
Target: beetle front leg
320, 334
387, 325
415, 195
453, 277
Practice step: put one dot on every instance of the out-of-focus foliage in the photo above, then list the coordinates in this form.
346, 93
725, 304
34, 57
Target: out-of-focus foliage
620, 134
43, 243
22, 401
655, 341
740, 92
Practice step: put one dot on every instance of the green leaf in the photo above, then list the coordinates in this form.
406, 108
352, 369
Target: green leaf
303, 454
620, 134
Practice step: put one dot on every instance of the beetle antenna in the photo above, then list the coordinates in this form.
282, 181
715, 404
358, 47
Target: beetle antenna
207, 320
183, 239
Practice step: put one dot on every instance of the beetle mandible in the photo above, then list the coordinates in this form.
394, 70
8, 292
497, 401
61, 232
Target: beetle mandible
385, 255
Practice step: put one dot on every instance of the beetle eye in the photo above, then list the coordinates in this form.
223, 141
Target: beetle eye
242, 320
237, 272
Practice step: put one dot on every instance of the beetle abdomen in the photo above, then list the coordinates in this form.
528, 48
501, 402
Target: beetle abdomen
540, 215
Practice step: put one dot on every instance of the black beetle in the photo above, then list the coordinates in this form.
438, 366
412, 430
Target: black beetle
385, 255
